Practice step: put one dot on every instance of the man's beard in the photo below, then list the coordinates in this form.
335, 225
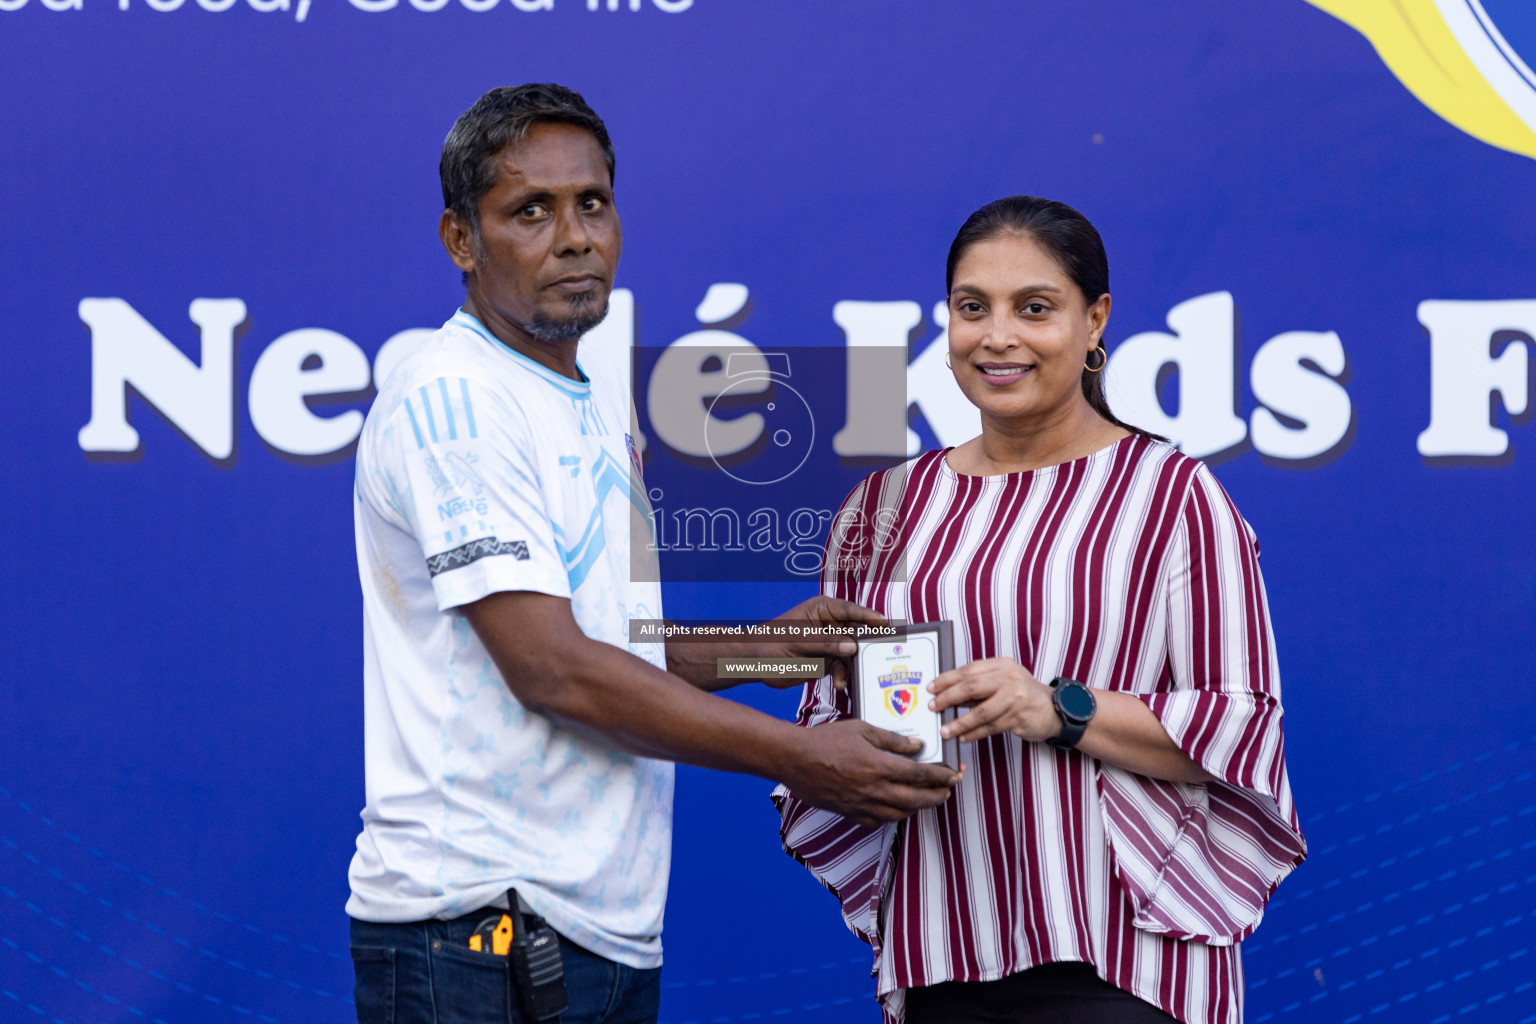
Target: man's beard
584, 315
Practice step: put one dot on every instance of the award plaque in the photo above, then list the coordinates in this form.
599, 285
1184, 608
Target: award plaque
890, 679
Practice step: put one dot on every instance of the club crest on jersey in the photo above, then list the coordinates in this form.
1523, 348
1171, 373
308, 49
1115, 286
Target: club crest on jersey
900, 688
634, 456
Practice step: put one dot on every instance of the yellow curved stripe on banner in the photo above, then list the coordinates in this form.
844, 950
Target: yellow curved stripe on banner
1413, 41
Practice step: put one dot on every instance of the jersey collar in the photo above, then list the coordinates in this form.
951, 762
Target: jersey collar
574, 388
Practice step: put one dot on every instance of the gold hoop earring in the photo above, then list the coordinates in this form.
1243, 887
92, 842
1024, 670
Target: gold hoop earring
1102, 361
947, 362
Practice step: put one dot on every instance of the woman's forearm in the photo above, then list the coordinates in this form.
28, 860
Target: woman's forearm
1125, 733
1003, 696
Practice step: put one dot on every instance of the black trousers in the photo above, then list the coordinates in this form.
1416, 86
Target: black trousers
1062, 993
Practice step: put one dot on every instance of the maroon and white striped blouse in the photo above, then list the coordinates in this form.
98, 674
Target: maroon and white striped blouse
1127, 570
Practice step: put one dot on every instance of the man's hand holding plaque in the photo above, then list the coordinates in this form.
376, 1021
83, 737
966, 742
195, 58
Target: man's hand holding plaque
829, 630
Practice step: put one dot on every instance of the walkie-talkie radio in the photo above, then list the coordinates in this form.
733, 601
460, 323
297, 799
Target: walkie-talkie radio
536, 974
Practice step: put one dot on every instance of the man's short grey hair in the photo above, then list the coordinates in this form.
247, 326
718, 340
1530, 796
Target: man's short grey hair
502, 118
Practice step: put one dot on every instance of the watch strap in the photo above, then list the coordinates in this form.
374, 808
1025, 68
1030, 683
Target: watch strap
1071, 733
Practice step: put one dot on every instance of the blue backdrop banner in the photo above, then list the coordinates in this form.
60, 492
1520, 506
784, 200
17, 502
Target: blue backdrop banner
218, 228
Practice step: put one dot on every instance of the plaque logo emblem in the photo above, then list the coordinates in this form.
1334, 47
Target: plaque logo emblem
899, 686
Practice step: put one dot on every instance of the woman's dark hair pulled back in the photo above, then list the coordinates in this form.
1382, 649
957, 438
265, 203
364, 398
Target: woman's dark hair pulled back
1072, 242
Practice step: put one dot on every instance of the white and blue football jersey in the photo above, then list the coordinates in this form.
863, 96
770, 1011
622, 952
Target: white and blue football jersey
480, 471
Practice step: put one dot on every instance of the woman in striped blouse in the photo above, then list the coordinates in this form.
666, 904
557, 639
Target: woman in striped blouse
1077, 875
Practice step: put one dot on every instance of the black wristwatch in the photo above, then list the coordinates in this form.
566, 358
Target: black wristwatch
1075, 706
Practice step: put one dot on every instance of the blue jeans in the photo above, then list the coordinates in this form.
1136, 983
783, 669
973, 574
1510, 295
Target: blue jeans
425, 973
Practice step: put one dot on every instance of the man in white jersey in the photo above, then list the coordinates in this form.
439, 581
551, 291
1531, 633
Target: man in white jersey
518, 745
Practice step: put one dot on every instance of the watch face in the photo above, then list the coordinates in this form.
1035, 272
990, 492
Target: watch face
1076, 702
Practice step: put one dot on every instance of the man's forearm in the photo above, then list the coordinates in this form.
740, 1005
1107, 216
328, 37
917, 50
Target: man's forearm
635, 705
696, 661
656, 714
